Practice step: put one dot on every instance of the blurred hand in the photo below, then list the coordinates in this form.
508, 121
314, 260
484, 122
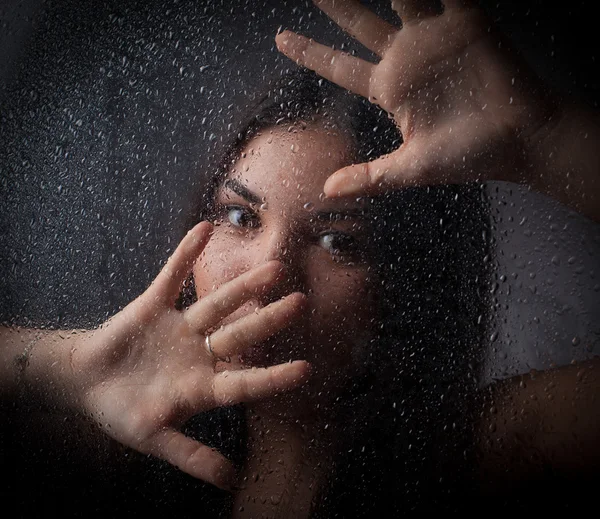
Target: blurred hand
468, 110
148, 369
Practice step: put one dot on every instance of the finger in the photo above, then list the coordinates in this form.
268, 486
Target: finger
360, 23
192, 457
210, 310
167, 285
256, 327
431, 158
411, 10
343, 69
231, 387
395, 170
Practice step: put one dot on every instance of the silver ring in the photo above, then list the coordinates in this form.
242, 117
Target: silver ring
209, 347
210, 350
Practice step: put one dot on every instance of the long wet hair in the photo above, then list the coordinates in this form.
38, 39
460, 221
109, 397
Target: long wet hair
404, 417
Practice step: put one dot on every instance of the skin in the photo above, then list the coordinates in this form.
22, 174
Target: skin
271, 206
146, 371
468, 107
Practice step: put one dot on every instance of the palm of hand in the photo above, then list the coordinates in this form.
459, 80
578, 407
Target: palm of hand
145, 373
147, 370
463, 103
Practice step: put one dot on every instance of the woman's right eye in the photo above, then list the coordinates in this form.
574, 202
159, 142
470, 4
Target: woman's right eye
242, 217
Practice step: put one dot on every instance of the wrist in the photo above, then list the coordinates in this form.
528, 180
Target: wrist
48, 379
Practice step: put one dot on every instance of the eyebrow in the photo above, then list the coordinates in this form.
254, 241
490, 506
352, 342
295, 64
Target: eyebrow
335, 215
239, 189
326, 215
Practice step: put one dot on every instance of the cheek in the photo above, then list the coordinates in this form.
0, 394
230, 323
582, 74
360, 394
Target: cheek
218, 263
343, 300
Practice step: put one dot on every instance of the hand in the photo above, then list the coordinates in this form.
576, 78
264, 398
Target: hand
467, 109
148, 370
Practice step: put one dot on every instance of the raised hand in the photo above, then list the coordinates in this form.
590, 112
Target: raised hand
148, 369
467, 108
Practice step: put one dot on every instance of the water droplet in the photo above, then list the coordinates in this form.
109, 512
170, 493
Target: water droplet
309, 206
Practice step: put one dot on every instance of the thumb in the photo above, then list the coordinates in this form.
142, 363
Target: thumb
401, 168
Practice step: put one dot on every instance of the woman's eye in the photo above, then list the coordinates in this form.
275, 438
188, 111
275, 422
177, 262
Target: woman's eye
338, 244
242, 217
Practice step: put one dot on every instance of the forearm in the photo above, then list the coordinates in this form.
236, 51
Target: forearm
535, 424
565, 160
36, 364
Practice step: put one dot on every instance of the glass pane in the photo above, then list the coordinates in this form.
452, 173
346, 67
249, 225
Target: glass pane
448, 309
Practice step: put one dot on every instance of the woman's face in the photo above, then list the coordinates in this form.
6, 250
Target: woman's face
271, 206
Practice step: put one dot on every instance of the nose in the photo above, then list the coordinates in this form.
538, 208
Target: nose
285, 247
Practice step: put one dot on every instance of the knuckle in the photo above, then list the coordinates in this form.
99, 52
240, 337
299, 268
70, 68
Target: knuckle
236, 341
244, 387
168, 270
212, 307
339, 73
353, 22
167, 446
377, 175
215, 393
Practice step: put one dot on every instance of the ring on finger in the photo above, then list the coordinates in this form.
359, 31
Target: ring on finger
209, 347
210, 350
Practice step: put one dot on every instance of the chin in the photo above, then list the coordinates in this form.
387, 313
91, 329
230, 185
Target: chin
304, 405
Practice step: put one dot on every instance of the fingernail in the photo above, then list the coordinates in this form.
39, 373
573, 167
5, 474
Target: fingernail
226, 478
306, 369
281, 39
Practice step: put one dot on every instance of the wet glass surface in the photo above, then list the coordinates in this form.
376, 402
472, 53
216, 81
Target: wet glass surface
114, 118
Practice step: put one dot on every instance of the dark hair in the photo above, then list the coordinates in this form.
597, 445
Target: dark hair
302, 98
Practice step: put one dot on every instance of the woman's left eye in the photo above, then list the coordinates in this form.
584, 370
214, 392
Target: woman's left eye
242, 217
338, 244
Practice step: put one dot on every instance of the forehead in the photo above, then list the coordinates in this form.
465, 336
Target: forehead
292, 159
